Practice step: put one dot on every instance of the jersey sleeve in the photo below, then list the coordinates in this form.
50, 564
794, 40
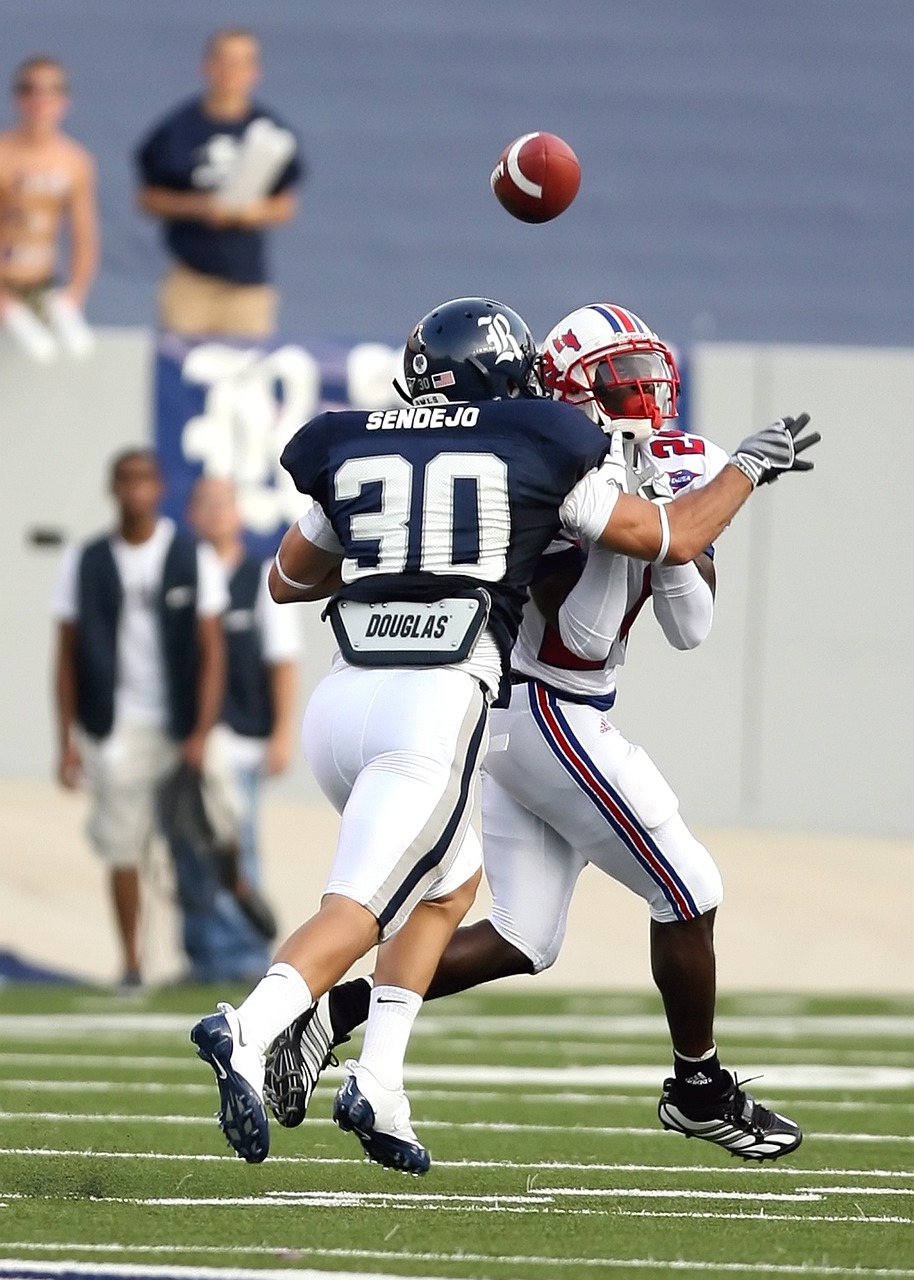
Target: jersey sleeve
304, 457
315, 526
65, 596
212, 589
278, 625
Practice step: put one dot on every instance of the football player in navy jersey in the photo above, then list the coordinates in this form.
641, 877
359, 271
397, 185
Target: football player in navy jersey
427, 526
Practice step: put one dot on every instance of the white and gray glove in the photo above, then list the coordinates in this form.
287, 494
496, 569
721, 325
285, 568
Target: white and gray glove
768, 453
614, 467
655, 487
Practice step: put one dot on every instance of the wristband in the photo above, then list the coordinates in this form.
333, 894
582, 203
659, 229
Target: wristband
290, 582
664, 533
752, 467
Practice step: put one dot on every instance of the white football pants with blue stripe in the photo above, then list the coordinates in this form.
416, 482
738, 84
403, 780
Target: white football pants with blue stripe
562, 787
397, 752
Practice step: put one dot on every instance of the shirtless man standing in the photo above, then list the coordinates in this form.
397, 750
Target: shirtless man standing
45, 178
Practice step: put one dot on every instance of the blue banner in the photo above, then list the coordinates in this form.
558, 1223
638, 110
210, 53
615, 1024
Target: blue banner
227, 408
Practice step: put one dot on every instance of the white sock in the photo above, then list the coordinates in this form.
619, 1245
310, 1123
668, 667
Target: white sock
279, 998
31, 334
391, 1014
70, 324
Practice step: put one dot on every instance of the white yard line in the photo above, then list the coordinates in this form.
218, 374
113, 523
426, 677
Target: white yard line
491, 1126
346, 1199
533, 1199
435, 1095
542, 1166
141, 1271
103, 1086
440, 1022
856, 1218
457, 1259
816, 1077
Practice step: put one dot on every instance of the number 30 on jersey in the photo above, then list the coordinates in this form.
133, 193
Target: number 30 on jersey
450, 515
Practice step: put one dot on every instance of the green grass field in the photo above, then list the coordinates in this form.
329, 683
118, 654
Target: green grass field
540, 1113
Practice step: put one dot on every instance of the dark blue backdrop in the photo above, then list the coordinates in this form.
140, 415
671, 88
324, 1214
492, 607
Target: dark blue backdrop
746, 166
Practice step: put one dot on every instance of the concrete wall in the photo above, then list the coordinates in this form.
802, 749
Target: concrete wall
795, 714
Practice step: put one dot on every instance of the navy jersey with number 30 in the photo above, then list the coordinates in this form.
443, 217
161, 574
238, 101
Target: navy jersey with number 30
465, 492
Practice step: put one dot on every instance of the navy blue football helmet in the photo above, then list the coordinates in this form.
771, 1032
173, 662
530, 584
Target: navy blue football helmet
470, 349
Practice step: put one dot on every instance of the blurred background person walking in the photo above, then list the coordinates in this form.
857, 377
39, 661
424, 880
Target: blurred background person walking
140, 674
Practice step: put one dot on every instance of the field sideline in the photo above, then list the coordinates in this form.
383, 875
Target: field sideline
540, 1113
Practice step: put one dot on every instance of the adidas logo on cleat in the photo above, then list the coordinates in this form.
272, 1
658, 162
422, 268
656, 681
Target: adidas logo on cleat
734, 1121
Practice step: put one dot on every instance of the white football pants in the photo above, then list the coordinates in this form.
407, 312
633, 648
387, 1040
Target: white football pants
397, 752
561, 788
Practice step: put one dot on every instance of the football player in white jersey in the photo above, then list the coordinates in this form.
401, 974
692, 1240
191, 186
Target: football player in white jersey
561, 785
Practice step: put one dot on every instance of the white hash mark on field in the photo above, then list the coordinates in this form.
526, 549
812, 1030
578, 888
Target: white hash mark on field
535, 1199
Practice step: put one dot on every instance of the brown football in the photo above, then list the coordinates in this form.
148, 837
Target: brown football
537, 177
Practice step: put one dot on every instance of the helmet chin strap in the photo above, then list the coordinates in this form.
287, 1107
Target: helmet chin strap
634, 429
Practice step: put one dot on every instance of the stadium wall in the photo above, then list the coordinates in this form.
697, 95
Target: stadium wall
796, 714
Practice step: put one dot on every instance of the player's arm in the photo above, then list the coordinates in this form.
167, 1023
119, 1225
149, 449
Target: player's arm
176, 206
680, 531
585, 602
69, 763
683, 600
211, 671
83, 214
592, 613
302, 570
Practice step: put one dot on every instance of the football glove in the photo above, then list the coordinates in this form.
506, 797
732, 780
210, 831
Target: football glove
655, 487
766, 454
614, 467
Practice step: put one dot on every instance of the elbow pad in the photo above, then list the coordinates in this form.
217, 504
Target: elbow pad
683, 604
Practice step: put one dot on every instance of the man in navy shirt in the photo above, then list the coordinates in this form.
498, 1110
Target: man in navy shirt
218, 171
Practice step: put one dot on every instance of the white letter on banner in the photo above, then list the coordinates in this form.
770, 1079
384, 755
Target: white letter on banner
245, 425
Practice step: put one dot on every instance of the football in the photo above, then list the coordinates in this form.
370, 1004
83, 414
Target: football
537, 177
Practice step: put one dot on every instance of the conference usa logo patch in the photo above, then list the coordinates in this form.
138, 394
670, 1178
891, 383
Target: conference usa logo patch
679, 479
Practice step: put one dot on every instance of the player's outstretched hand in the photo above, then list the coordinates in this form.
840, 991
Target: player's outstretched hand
768, 453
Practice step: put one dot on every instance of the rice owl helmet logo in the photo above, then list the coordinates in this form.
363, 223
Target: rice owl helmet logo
500, 337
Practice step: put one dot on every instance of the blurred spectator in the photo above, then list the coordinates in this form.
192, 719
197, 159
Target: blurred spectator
46, 180
218, 171
140, 674
257, 725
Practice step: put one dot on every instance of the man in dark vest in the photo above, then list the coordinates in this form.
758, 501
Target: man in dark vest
257, 723
140, 674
